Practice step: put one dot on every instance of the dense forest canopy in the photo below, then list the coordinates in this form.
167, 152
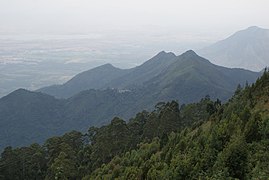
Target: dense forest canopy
204, 140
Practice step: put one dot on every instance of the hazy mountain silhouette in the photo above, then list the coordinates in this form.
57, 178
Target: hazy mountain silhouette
247, 49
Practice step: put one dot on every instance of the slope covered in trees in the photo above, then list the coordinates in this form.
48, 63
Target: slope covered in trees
232, 144
78, 154
27, 117
205, 140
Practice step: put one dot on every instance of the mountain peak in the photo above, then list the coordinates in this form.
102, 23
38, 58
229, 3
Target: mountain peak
20, 91
107, 65
160, 57
189, 53
247, 48
254, 28
250, 31
191, 58
164, 54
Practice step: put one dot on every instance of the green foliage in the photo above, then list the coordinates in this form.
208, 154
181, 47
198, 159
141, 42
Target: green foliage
232, 144
104, 92
63, 167
233, 158
167, 143
23, 163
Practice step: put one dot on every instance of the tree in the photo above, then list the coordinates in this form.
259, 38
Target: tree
10, 164
238, 89
234, 158
63, 168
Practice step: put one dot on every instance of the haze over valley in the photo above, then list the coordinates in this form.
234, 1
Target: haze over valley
33, 62
156, 89
43, 61
45, 43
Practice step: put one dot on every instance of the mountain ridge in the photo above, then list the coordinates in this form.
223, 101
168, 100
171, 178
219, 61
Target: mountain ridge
186, 78
106, 76
224, 141
248, 49
92, 79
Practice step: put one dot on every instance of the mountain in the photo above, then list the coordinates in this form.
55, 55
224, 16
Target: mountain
231, 144
108, 76
191, 77
247, 49
96, 78
27, 117
146, 71
203, 140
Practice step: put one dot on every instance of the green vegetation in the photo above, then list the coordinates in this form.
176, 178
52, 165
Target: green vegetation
27, 117
205, 140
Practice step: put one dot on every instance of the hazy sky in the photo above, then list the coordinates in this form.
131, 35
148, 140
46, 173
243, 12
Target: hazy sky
208, 18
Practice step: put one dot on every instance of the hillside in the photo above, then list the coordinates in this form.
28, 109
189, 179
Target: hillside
247, 49
231, 144
165, 77
96, 78
108, 76
146, 71
191, 77
205, 140
27, 117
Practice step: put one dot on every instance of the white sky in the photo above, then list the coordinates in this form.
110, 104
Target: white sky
190, 17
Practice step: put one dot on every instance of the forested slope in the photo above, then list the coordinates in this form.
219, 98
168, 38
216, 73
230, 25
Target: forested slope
205, 140
232, 144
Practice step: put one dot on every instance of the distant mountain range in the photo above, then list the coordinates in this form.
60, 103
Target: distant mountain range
108, 76
247, 49
96, 96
